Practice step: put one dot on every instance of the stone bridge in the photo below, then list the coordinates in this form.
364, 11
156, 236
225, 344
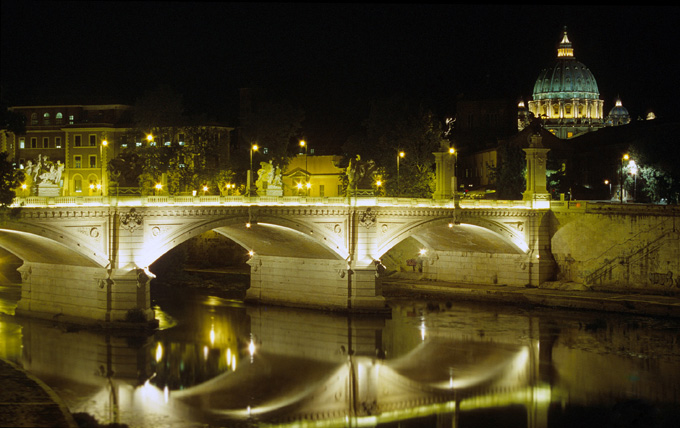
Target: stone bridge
89, 258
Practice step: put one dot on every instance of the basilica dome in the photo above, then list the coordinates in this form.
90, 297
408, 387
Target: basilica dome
566, 96
567, 78
618, 115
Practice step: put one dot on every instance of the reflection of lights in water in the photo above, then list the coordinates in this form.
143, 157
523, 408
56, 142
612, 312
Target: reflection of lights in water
212, 335
165, 321
159, 352
422, 330
228, 357
249, 413
205, 352
166, 394
251, 349
233, 362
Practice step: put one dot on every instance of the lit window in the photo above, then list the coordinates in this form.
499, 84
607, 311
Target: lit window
46, 118
167, 143
138, 144
57, 142
70, 119
59, 117
22, 143
124, 145
78, 185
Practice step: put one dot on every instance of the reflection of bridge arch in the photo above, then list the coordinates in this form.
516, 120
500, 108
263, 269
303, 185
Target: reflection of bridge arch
289, 389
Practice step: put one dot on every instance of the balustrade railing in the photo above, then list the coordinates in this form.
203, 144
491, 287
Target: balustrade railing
211, 200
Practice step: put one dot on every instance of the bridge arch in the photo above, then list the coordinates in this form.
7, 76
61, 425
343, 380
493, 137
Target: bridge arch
267, 236
42, 244
442, 235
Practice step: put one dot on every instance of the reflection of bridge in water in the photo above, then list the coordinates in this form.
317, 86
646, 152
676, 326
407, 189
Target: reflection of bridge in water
427, 363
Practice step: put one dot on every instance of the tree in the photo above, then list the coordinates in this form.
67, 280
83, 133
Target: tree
509, 173
10, 179
272, 125
166, 142
395, 125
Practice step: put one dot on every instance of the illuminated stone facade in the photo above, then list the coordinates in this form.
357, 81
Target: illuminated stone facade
566, 95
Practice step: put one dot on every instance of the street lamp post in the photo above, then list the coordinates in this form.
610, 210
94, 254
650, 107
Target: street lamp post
607, 182
399, 156
253, 148
624, 159
304, 144
102, 151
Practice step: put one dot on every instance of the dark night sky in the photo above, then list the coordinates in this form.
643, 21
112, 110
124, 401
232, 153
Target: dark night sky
329, 58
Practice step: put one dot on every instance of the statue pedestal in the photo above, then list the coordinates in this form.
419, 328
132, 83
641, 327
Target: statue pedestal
48, 189
274, 190
361, 192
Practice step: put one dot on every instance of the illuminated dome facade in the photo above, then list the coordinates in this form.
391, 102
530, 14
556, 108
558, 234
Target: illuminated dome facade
566, 96
618, 115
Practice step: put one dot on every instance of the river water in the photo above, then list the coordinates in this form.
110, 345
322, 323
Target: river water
217, 362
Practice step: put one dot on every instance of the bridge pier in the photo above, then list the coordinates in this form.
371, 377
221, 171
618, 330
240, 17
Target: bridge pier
317, 283
84, 294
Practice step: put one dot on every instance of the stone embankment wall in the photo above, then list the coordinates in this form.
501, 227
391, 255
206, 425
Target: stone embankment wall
617, 246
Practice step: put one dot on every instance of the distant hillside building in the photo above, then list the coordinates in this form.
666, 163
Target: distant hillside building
618, 115
66, 148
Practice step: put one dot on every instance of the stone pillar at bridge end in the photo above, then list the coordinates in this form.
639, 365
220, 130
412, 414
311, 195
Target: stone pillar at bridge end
536, 190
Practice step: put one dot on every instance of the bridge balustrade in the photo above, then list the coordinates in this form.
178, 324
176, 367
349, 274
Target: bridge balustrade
151, 200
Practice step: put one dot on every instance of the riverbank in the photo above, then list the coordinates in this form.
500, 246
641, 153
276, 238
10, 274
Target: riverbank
568, 296
25, 401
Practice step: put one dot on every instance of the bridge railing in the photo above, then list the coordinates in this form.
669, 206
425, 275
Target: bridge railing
213, 200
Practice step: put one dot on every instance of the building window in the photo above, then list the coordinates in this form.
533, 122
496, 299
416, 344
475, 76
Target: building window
70, 119
46, 142
22, 143
321, 190
77, 160
34, 143
59, 118
93, 161
46, 118
57, 142
34, 119
93, 140
78, 184
77, 141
